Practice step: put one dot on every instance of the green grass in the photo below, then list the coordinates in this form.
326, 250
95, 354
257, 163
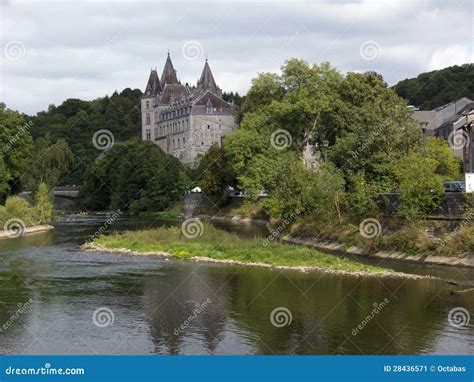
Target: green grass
221, 245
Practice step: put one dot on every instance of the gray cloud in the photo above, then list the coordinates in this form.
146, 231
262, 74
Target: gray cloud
89, 49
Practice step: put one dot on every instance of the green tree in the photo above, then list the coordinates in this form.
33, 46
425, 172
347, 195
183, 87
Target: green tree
370, 129
48, 163
17, 208
136, 176
428, 90
15, 146
421, 189
43, 207
446, 164
4, 178
214, 171
76, 121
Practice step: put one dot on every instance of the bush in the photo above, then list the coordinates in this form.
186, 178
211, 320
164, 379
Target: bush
18, 208
411, 238
421, 189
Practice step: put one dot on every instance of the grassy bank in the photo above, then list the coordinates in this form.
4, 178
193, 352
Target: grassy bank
421, 238
219, 245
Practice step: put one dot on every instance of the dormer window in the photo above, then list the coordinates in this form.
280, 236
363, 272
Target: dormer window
209, 109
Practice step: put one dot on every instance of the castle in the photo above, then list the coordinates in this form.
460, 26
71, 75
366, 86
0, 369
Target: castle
184, 121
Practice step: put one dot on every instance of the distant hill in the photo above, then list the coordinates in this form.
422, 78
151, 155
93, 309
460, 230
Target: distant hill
76, 121
436, 88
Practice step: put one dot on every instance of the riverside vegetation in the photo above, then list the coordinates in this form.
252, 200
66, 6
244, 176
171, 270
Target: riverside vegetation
364, 142
360, 132
218, 245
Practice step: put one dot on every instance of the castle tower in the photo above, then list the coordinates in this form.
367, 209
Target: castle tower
153, 88
207, 82
169, 73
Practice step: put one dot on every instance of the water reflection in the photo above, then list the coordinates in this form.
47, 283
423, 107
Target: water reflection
158, 305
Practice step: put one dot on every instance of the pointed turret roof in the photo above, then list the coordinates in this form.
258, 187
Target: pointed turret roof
207, 82
153, 86
169, 73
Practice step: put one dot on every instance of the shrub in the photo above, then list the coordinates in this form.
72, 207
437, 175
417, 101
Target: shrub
421, 189
43, 208
16, 207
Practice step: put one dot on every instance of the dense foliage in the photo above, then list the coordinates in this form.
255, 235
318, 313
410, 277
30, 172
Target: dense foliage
17, 211
76, 121
136, 176
432, 89
15, 149
361, 136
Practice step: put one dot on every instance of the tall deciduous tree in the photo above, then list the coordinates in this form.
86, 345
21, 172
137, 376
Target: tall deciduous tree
15, 148
43, 208
48, 163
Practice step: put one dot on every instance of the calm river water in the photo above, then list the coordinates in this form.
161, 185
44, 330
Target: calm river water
57, 299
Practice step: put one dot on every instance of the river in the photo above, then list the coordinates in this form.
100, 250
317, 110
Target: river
57, 299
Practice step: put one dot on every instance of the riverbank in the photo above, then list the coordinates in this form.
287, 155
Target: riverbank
209, 244
334, 247
9, 234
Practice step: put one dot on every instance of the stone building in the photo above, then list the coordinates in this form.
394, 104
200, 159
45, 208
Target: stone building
184, 121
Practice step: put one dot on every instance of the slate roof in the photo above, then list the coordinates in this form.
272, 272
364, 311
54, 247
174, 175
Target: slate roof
153, 87
207, 82
169, 73
173, 91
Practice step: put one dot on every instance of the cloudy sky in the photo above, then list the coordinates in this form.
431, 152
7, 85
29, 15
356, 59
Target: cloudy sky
54, 50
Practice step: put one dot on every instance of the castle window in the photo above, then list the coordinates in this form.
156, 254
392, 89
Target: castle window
208, 126
147, 104
147, 121
148, 134
209, 109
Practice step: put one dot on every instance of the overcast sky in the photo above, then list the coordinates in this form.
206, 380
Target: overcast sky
56, 50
